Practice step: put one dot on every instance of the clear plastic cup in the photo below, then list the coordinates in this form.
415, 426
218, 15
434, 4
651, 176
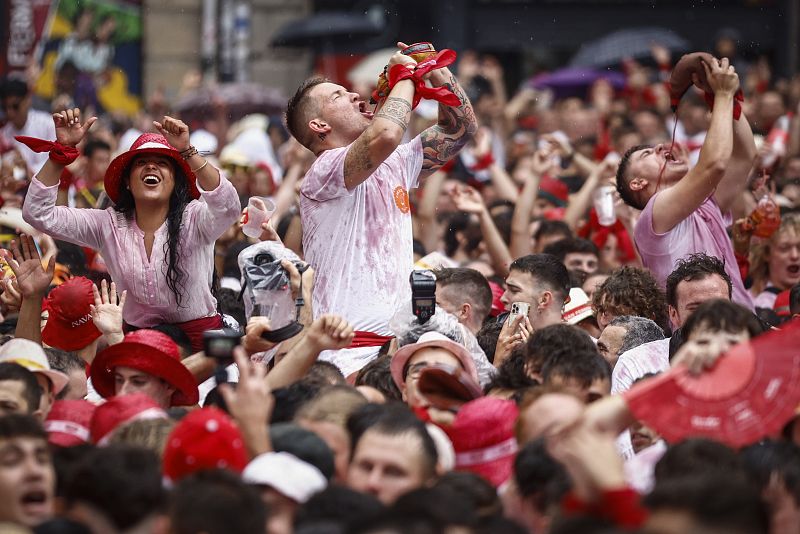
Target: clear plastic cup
604, 205
259, 210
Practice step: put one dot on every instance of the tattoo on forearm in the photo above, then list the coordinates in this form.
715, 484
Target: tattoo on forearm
455, 127
396, 110
357, 159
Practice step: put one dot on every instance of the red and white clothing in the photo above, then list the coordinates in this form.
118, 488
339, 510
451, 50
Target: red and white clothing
359, 243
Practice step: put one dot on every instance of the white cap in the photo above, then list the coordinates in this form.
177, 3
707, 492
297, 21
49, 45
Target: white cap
578, 308
31, 356
286, 474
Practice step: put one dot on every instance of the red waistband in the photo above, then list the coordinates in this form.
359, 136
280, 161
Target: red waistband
368, 339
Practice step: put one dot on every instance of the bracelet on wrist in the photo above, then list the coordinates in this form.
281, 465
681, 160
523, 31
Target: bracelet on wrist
189, 152
200, 168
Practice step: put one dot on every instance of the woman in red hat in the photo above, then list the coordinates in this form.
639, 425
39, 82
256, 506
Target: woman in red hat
158, 238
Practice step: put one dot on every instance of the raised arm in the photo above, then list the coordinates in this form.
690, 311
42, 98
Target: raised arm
385, 132
456, 126
738, 170
679, 201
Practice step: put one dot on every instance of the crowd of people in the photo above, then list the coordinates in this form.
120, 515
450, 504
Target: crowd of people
161, 371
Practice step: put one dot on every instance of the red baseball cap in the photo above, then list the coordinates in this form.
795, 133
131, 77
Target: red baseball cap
751, 392
204, 439
483, 438
120, 410
151, 352
69, 323
554, 191
68, 422
148, 143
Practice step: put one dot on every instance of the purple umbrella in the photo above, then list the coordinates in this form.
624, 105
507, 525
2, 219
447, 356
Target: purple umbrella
574, 81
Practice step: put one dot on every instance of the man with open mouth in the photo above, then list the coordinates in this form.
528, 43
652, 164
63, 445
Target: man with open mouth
354, 199
686, 210
27, 477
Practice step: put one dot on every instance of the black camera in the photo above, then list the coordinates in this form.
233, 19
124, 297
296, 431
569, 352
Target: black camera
219, 344
423, 295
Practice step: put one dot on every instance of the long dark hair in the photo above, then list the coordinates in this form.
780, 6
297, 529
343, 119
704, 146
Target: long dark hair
177, 203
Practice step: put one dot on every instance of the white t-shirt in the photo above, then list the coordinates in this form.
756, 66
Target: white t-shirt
39, 125
359, 243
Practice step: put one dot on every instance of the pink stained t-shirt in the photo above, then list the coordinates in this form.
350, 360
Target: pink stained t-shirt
359, 242
705, 230
121, 243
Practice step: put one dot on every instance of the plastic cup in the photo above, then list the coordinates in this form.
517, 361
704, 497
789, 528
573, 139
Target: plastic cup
259, 210
604, 205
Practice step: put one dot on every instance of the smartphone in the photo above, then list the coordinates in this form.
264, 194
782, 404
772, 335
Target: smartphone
517, 309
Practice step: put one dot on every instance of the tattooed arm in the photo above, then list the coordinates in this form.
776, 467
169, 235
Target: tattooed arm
384, 133
455, 128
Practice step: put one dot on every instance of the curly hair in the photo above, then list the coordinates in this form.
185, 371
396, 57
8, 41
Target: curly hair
697, 266
632, 291
760, 253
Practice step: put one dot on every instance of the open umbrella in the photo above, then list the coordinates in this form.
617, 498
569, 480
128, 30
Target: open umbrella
573, 81
634, 43
325, 27
367, 70
238, 99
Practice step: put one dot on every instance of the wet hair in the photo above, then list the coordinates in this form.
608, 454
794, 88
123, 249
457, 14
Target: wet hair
623, 183
471, 284
338, 505
638, 331
719, 501
722, 315
66, 362
632, 291
394, 419
696, 266
178, 201
123, 482
585, 368
555, 342
545, 269
299, 110
378, 374
216, 502
31, 390
569, 245
697, 457
17, 425
539, 477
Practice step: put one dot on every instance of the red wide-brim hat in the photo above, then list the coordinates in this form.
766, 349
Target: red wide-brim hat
151, 352
148, 143
752, 392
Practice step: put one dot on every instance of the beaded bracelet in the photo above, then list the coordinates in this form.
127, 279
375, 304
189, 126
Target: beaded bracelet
189, 152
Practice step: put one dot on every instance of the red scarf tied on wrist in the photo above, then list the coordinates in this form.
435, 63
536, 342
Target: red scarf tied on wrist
442, 95
599, 234
61, 154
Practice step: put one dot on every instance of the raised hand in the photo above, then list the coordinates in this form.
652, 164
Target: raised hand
295, 277
32, 279
107, 309
252, 340
175, 131
468, 199
330, 332
402, 59
69, 130
721, 76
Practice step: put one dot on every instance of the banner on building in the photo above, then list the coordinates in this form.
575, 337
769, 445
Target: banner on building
84, 52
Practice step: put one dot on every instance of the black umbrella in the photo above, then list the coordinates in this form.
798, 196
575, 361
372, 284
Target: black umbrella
238, 99
635, 43
326, 27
